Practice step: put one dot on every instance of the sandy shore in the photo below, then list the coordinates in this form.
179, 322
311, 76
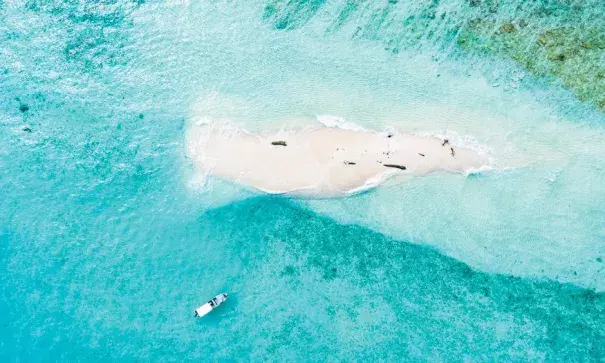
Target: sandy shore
322, 162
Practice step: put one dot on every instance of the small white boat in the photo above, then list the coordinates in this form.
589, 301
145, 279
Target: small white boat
210, 305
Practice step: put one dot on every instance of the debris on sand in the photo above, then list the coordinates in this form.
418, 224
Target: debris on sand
395, 166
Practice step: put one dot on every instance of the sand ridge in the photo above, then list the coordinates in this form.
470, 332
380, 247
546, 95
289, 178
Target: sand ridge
322, 161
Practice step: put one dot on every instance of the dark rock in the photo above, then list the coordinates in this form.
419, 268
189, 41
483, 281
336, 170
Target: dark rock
393, 1
599, 259
474, 3
395, 166
23, 107
523, 23
279, 143
508, 28
141, 116
556, 57
27, 129
545, 11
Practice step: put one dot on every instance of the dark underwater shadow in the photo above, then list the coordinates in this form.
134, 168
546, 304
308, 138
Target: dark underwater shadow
443, 307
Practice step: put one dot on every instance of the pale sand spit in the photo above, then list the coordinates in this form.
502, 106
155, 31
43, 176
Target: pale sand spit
322, 162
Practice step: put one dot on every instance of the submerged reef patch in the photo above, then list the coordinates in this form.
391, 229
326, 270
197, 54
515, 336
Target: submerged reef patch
428, 304
291, 14
94, 38
557, 40
572, 54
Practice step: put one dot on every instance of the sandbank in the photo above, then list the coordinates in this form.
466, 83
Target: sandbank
323, 161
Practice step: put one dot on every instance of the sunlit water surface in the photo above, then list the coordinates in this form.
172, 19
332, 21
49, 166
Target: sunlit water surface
109, 238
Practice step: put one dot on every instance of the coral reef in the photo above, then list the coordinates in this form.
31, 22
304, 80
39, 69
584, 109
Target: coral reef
560, 40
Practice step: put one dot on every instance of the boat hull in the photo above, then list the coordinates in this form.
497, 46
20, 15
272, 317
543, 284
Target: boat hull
210, 305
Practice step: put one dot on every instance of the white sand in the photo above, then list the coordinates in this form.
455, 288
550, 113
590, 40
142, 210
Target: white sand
319, 162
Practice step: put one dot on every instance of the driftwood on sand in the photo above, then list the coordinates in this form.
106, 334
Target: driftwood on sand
279, 143
395, 166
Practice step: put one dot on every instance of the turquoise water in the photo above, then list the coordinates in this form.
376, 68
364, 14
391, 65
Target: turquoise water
109, 239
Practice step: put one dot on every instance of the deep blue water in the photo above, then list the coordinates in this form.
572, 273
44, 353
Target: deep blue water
109, 239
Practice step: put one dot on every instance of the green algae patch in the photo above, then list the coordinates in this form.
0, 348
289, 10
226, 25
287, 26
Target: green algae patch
557, 40
572, 55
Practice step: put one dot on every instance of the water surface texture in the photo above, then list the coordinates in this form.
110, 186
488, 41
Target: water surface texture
110, 237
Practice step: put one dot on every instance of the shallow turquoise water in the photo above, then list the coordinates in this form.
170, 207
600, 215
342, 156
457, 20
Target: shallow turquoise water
108, 239
303, 287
